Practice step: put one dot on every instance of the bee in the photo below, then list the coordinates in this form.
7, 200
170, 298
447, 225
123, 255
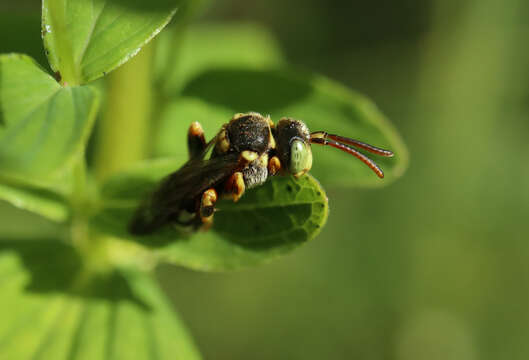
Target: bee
244, 154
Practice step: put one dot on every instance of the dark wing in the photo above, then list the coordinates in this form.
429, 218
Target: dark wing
179, 191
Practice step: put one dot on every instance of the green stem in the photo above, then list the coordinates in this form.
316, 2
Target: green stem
62, 58
124, 129
122, 140
79, 188
80, 202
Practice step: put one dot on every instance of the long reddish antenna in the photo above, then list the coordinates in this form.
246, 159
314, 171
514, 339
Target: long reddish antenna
361, 145
339, 142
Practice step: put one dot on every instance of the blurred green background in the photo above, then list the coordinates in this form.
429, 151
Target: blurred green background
433, 266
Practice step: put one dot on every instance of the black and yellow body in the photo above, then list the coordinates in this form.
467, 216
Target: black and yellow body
245, 152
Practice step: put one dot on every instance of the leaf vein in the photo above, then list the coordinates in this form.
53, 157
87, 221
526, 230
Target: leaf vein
102, 55
111, 336
50, 333
78, 332
92, 29
21, 124
151, 338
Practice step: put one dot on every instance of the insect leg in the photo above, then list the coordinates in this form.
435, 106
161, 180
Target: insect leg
223, 142
196, 142
234, 186
274, 165
207, 207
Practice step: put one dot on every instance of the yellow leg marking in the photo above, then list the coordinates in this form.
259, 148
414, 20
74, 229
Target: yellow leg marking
196, 142
235, 186
195, 129
207, 205
223, 143
274, 165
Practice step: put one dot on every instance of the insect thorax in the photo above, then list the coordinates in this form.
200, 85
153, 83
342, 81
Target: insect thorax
249, 132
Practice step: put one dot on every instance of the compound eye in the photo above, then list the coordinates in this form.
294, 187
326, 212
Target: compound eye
300, 158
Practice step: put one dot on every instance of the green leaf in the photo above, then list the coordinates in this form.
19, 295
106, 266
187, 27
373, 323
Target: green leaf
268, 221
43, 126
52, 309
182, 55
35, 199
86, 39
214, 96
15, 224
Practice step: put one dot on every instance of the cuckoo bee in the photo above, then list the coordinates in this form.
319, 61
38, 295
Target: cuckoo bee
245, 152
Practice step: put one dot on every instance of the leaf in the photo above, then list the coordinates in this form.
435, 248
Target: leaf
86, 39
182, 55
214, 96
268, 221
15, 224
43, 126
52, 309
38, 200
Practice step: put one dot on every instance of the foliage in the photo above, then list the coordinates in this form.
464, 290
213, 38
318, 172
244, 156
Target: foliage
86, 290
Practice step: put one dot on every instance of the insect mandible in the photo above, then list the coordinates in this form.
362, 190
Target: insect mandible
244, 153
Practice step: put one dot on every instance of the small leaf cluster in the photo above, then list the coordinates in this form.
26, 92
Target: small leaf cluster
83, 289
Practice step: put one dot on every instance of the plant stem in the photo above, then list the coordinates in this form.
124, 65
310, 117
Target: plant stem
124, 129
53, 15
123, 133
